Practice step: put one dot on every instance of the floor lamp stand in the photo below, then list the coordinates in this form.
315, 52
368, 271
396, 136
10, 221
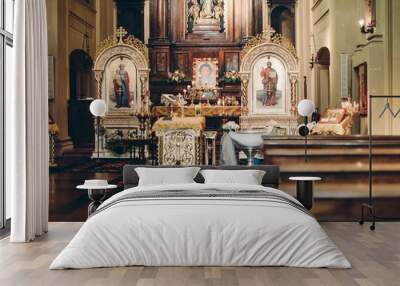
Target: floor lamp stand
98, 167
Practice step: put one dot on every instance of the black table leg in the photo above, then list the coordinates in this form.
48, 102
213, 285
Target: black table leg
97, 197
305, 193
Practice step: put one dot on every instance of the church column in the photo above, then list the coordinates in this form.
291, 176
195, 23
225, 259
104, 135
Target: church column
159, 43
58, 47
265, 13
162, 20
248, 17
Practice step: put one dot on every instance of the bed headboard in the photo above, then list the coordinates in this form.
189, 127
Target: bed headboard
271, 177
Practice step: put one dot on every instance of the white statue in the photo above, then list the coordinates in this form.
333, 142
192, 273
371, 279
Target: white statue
207, 9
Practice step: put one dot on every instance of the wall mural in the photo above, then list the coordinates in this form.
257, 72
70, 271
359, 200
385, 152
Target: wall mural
205, 13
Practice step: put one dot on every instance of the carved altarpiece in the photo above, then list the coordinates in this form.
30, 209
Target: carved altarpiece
269, 47
130, 55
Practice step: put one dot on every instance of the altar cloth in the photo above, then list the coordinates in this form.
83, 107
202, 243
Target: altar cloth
195, 123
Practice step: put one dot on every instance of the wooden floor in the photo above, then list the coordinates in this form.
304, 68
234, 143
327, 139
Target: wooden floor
375, 257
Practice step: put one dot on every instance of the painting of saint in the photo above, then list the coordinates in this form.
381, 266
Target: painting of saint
270, 82
205, 75
205, 72
270, 86
121, 87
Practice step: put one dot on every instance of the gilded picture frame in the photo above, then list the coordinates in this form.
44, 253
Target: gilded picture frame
205, 72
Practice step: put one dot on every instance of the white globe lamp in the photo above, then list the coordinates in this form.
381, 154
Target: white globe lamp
305, 107
98, 108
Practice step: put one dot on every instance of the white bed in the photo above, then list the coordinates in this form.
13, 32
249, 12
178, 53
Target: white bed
206, 230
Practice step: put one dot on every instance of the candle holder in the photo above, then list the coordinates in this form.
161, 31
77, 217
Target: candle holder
143, 118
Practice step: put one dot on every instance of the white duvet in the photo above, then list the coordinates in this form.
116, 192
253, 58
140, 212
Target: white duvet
200, 232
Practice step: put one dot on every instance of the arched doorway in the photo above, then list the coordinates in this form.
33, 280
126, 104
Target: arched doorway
323, 62
82, 88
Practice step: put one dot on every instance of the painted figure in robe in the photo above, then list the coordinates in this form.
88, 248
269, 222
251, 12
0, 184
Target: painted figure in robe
270, 82
121, 87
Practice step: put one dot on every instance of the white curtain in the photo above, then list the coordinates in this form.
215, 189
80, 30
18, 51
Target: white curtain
27, 124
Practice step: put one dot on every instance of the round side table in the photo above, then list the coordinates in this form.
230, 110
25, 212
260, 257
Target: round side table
96, 194
304, 190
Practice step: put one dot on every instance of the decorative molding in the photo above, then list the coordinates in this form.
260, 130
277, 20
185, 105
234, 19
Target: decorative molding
269, 36
179, 147
130, 41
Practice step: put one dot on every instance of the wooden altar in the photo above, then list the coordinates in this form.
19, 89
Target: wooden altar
179, 35
179, 140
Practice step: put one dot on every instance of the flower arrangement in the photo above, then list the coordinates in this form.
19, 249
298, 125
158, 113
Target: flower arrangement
177, 77
231, 77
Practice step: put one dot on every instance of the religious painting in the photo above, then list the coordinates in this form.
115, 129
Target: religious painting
231, 61
182, 62
362, 78
370, 13
161, 62
269, 86
205, 72
120, 84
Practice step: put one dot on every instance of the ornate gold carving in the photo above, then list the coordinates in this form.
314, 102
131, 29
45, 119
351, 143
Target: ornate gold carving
245, 100
293, 95
145, 94
120, 33
136, 43
179, 147
105, 44
269, 36
118, 39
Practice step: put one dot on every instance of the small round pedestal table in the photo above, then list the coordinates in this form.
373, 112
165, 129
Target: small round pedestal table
96, 194
304, 190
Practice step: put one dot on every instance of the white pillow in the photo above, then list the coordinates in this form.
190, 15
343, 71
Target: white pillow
248, 177
166, 176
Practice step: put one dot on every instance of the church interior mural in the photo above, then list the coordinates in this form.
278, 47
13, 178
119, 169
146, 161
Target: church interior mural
183, 79
199, 142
